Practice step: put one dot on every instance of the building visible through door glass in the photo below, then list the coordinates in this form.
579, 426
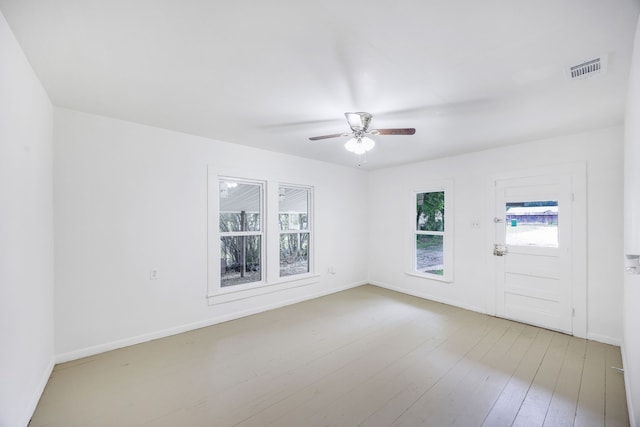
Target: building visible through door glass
532, 223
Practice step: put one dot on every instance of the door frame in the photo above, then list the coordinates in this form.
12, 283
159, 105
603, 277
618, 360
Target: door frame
577, 173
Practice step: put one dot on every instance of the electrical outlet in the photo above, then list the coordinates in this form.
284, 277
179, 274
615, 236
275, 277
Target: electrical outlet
475, 223
153, 275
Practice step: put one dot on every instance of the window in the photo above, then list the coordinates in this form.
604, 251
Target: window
532, 223
432, 231
241, 232
260, 236
293, 218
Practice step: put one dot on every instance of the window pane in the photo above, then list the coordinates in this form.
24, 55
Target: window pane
240, 206
240, 221
430, 211
294, 254
430, 254
240, 260
293, 208
532, 223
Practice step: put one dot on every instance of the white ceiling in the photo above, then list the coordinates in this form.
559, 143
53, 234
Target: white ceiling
466, 74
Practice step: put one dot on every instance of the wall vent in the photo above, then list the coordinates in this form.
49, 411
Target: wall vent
588, 68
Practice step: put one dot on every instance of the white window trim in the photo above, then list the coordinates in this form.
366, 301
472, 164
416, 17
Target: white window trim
262, 232
448, 256
271, 280
309, 230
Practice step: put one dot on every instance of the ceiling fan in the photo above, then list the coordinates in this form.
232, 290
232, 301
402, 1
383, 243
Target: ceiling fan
359, 124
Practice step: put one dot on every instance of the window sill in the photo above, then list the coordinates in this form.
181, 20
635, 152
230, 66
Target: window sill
435, 277
228, 295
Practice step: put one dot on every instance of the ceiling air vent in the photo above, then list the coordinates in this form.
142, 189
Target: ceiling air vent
589, 68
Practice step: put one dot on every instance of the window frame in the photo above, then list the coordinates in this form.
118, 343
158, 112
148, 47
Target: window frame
271, 282
261, 232
308, 230
447, 235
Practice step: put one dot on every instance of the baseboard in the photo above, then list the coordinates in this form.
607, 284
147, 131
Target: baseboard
33, 402
101, 348
627, 387
429, 297
604, 339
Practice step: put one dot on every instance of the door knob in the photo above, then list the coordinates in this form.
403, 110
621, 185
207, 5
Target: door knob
499, 250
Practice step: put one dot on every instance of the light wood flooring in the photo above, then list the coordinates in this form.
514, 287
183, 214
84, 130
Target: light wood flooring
363, 357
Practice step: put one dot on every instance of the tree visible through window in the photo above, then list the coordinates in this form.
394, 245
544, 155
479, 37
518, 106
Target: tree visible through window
295, 233
429, 232
241, 235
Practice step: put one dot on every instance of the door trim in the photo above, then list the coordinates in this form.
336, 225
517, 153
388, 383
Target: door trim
577, 172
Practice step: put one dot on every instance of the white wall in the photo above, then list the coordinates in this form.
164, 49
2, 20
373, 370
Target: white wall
631, 343
389, 204
131, 198
26, 234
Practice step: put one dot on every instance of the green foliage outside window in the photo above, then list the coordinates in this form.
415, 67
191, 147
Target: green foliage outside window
430, 211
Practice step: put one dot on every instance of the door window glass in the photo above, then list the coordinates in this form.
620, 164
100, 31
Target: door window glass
532, 223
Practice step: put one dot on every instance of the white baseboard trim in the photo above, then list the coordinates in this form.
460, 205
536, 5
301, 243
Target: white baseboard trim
429, 297
113, 345
37, 393
627, 387
591, 336
604, 339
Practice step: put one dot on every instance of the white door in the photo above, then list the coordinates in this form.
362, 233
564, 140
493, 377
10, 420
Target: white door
532, 252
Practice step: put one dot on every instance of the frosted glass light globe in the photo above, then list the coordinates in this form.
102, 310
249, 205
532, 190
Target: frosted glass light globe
359, 145
367, 143
351, 145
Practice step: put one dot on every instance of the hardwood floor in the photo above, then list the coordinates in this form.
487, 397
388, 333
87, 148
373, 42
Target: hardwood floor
366, 356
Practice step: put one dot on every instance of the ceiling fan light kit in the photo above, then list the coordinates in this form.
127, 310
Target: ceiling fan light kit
359, 124
360, 145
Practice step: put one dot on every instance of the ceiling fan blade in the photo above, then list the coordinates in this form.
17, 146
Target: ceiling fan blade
335, 135
400, 131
